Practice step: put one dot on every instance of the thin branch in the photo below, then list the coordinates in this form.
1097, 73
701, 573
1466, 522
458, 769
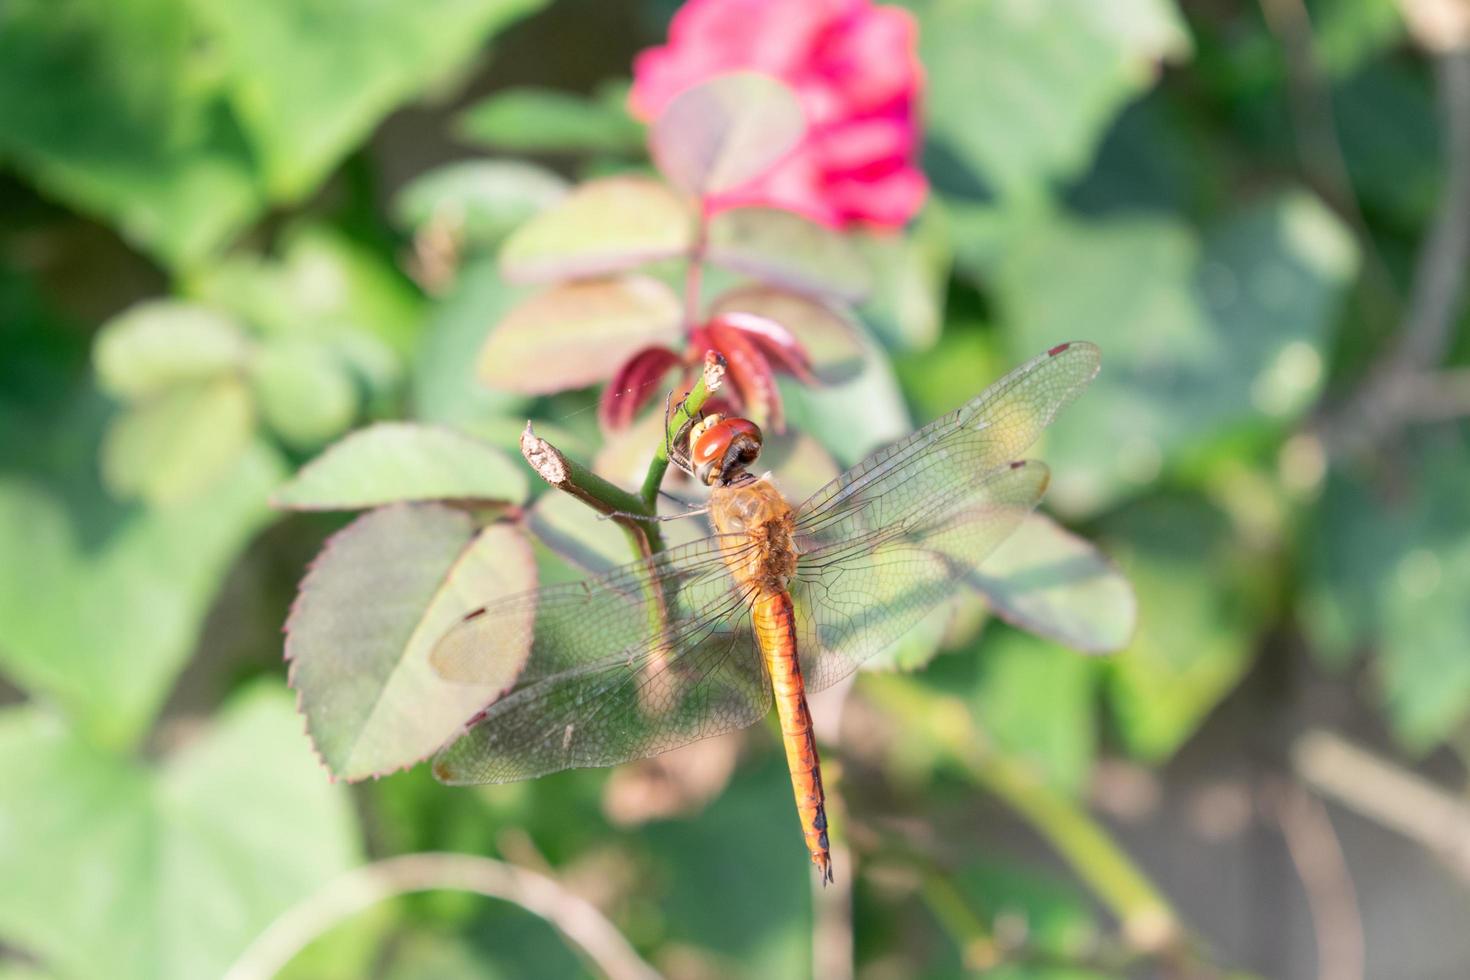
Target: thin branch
1149, 922
577, 919
1331, 898
1323, 162
1387, 794
1372, 413
710, 380
571, 477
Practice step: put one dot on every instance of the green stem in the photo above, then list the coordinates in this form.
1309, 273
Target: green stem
688, 409
1149, 922
569, 476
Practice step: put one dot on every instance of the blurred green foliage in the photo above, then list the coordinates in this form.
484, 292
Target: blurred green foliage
213, 265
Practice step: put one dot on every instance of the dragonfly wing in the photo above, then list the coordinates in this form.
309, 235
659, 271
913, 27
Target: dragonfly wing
947, 456
893, 537
853, 598
631, 663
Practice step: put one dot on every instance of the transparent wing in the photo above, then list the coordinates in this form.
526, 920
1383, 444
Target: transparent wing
896, 535
638, 661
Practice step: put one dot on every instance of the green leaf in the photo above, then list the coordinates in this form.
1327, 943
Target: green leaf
910, 276
179, 443
603, 226
123, 870
1050, 582
398, 461
446, 388
134, 140
538, 120
577, 333
1201, 339
1389, 568
376, 601
785, 249
310, 81
1036, 701
162, 343
717, 135
1201, 604
479, 201
1024, 92
825, 330
99, 608
305, 392
855, 417
325, 286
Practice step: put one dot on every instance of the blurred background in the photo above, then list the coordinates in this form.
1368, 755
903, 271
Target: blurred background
1259, 211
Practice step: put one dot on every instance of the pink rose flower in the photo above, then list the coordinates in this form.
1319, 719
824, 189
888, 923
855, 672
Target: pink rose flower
855, 68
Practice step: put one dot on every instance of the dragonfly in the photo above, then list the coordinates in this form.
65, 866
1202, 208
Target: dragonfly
779, 602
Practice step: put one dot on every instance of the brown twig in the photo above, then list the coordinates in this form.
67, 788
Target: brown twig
1332, 900
1387, 794
361, 888
1374, 411
1323, 162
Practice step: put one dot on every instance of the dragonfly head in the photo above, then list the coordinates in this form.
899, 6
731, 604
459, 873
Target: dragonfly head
720, 449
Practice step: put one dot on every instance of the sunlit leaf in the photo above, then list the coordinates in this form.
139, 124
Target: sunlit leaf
785, 249
572, 335
133, 140
603, 226
910, 274
446, 386
1049, 75
478, 201
855, 417
305, 393
309, 82
166, 872
1200, 605
1037, 701
541, 120
398, 461
825, 331
1388, 572
178, 443
1200, 338
1047, 581
160, 344
717, 135
372, 607
101, 624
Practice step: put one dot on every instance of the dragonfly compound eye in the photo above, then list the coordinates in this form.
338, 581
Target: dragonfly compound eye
723, 449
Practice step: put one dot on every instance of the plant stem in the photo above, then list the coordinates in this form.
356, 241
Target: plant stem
709, 382
569, 476
577, 919
1149, 922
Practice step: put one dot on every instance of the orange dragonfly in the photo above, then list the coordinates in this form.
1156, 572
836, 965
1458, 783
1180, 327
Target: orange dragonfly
700, 639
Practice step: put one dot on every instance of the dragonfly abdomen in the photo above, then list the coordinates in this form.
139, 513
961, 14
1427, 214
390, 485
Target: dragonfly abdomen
775, 627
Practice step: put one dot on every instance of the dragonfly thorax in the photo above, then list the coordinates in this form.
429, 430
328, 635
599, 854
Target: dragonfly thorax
758, 528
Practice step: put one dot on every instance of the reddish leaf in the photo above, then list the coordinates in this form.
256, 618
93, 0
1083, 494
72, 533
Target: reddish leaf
826, 333
717, 135
575, 334
776, 342
633, 385
751, 373
604, 226
786, 249
377, 598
